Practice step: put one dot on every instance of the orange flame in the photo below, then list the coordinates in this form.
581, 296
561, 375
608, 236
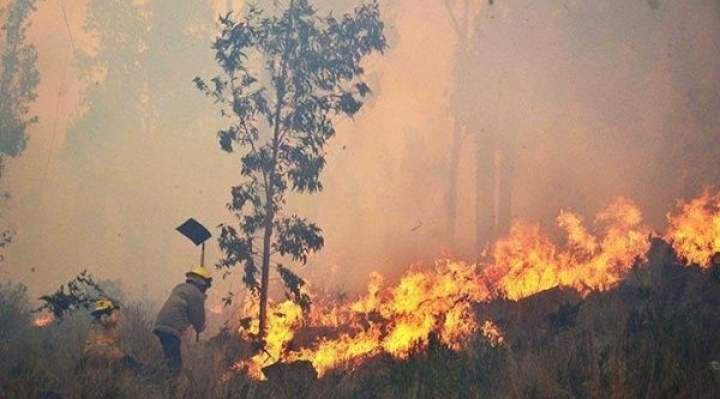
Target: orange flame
400, 319
493, 334
44, 320
695, 232
527, 262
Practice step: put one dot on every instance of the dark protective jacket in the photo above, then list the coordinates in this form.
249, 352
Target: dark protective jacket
184, 307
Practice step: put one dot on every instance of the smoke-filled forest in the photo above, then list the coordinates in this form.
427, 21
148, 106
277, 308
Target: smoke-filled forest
393, 198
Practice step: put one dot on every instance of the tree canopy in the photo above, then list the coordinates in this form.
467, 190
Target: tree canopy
18, 78
284, 78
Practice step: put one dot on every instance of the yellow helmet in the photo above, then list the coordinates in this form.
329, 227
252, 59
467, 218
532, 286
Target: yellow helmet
201, 272
103, 304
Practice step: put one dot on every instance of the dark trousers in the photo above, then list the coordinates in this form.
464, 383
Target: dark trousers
171, 349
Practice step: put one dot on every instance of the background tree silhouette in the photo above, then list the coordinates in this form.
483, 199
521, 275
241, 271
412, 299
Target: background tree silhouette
281, 114
135, 74
18, 80
138, 105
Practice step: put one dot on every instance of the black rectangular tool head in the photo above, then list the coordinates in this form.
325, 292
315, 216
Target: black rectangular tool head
193, 230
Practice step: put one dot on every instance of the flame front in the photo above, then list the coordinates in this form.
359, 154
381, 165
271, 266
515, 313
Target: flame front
695, 231
438, 302
527, 262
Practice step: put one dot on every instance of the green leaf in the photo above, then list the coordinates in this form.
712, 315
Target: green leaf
282, 117
81, 293
294, 284
298, 238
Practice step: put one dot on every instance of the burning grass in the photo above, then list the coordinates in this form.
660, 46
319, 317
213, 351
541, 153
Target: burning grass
612, 311
399, 318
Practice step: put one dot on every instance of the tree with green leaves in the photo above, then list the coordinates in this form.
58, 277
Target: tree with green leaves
136, 92
284, 79
18, 80
81, 293
128, 86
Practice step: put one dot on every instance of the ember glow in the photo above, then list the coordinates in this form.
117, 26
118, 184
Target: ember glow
400, 319
492, 333
43, 321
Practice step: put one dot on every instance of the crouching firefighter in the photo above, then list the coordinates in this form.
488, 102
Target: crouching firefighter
101, 351
184, 307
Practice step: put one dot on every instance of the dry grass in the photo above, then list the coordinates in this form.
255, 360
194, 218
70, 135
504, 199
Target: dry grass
652, 337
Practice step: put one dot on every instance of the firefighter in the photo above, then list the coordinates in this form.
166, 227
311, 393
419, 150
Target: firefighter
101, 350
184, 307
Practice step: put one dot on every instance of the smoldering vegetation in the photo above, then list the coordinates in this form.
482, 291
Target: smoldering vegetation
653, 336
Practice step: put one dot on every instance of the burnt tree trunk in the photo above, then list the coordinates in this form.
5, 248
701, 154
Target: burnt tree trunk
453, 184
494, 175
484, 189
506, 176
461, 109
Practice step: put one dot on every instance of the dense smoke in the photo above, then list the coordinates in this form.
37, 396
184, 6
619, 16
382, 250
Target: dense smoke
598, 100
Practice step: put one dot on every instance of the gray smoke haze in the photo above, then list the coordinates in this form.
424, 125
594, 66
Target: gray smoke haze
602, 99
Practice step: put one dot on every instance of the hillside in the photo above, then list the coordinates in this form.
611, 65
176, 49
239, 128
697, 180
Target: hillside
652, 336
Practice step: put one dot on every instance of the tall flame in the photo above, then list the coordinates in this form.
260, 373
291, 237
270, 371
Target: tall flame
437, 302
527, 262
695, 232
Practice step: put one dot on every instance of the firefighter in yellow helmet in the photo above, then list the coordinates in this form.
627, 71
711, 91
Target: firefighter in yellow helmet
184, 307
101, 350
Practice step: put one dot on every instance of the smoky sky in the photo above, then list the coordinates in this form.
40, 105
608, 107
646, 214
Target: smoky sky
601, 98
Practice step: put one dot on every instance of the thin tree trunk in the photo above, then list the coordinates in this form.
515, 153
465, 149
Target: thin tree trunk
506, 176
265, 274
459, 124
484, 190
452, 184
270, 189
